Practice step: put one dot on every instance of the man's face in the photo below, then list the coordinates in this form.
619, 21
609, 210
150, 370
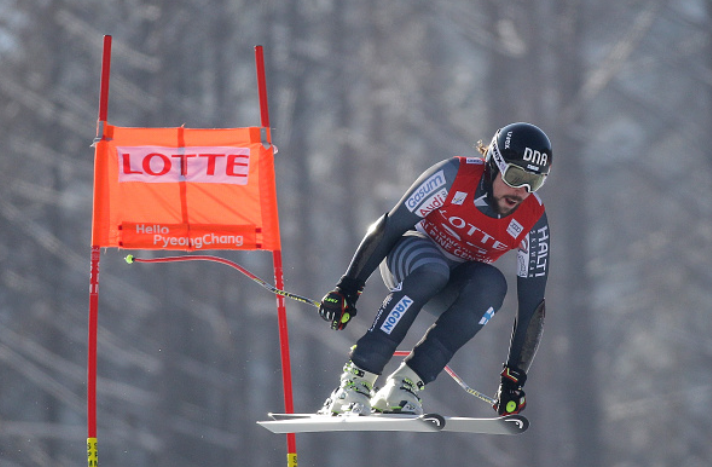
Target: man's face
506, 198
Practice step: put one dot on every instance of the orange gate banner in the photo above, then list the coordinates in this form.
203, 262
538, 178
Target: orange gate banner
185, 189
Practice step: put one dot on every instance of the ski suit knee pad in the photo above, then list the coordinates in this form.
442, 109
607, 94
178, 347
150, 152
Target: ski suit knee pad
481, 283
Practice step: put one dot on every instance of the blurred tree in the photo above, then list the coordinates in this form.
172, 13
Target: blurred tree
364, 96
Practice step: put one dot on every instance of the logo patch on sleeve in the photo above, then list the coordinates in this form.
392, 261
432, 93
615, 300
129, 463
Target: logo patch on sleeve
431, 204
426, 189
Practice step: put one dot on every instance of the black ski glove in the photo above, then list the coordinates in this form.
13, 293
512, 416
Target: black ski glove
339, 305
510, 397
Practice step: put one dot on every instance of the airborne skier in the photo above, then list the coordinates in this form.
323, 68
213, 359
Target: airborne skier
435, 249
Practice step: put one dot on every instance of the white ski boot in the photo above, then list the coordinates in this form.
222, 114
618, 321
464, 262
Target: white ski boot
353, 396
400, 394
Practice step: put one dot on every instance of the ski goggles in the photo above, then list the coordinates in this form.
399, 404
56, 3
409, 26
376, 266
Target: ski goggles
515, 176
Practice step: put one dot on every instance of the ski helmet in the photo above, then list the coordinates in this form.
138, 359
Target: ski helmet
522, 153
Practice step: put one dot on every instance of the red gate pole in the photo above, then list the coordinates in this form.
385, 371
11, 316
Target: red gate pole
278, 276
92, 448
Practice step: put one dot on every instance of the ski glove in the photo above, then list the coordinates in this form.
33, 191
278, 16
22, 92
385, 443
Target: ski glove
339, 305
510, 397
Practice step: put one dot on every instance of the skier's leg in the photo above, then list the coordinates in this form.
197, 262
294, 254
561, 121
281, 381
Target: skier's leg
474, 294
415, 271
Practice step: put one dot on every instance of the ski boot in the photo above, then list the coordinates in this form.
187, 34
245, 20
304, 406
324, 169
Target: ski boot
400, 394
353, 396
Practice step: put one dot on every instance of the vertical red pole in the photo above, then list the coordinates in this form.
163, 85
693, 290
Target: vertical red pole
278, 277
92, 448
105, 72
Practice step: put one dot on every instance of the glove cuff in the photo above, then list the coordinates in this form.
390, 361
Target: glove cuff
350, 287
513, 376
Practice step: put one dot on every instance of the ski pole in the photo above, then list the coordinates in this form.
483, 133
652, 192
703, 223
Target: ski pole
130, 259
468, 389
481, 396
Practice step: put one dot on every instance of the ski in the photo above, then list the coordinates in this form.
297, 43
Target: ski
429, 423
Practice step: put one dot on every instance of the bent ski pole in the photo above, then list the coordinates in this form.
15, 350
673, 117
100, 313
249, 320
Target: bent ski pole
458, 380
468, 389
130, 259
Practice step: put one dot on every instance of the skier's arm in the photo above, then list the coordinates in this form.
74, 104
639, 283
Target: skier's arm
385, 232
338, 306
533, 271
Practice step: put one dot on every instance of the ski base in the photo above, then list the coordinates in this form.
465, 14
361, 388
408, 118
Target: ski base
429, 423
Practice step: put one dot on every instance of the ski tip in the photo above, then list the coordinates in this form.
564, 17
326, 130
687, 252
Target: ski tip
517, 423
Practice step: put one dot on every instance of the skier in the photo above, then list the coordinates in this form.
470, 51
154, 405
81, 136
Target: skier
435, 250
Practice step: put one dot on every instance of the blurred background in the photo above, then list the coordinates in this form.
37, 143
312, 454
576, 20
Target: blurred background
363, 97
